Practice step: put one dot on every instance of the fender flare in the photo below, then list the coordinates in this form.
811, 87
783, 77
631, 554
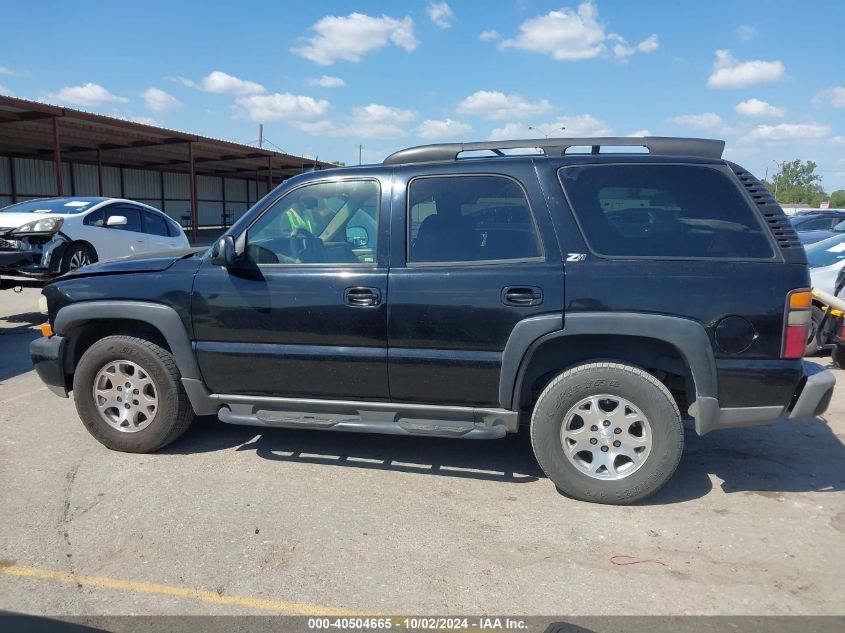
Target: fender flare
688, 336
164, 318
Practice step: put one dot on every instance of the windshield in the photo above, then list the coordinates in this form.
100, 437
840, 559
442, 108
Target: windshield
53, 205
826, 252
840, 228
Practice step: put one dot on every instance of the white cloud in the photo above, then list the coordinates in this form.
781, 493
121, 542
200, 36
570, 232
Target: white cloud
787, 132
380, 121
5, 70
643, 132
327, 81
491, 104
622, 50
159, 101
89, 94
487, 36
705, 121
573, 35
746, 32
5, 91
282, 106
758, 108
447, 129
370, 121
351, 37
441, 14
833, 96
222, 83
577, 125
729, 72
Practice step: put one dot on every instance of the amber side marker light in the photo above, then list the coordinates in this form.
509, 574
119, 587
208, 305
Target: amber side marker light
796, 323
46, 330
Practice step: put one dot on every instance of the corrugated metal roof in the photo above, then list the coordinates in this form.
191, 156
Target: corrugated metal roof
26, 131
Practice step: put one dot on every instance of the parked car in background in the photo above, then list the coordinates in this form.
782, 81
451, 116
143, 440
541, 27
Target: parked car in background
826, 258
43, 238
817, 226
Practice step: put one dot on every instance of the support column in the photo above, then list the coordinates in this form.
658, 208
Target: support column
194, 210
12, 177
100, 184
57, 156
269, 174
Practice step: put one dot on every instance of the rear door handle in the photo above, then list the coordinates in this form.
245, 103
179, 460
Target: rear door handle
362, 296
522, 295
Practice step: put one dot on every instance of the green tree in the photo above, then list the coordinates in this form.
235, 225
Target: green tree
837, 199
797, 183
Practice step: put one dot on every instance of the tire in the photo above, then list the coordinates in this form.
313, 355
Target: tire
643, 464
838, 356
816, 316
76, 256
114, 362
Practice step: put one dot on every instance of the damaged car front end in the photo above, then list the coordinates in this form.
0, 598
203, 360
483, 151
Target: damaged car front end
31, 254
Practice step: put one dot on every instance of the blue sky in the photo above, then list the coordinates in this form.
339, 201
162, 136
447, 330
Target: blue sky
325, 77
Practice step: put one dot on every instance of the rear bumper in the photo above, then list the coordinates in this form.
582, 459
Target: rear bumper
810, 398
814, 394
47, 354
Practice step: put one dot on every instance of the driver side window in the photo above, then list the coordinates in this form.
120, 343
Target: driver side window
324, 223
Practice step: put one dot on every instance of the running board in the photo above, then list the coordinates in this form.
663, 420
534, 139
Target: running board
368, 417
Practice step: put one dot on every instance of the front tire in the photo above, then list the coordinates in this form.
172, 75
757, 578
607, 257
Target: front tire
77, 256
129, 395
607, 433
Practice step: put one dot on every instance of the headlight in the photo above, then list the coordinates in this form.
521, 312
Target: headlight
42, 305
44, 225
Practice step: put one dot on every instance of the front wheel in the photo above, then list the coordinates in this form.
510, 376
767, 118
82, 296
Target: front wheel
129, 394
77, 256
607, 432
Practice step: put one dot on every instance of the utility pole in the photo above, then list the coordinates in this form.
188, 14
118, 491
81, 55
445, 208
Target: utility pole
260, 135
360, 149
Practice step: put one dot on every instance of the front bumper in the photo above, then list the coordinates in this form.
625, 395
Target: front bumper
47, 354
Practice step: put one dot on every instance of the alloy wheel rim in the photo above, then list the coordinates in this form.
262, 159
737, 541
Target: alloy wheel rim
125, 396
79, 259
606, 437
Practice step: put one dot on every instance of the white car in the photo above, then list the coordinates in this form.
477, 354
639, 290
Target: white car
50, 236
826, 259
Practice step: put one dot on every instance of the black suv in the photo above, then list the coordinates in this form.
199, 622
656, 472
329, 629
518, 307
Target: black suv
465, 290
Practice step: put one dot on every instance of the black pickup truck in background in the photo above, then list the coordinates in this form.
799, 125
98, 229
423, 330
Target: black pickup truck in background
465, 290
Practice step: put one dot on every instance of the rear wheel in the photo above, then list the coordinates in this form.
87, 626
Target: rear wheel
129, 394
607, 432
813, 346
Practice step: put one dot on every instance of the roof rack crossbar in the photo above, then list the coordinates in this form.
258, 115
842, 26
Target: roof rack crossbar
661, 145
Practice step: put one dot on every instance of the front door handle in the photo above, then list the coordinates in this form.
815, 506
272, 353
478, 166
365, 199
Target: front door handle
522, 296
362, 297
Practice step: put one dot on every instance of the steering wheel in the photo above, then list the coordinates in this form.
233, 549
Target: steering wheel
305, 246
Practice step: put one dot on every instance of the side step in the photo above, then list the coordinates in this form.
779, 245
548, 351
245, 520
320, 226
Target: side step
368, 417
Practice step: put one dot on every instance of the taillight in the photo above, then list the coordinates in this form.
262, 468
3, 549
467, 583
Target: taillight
796, 323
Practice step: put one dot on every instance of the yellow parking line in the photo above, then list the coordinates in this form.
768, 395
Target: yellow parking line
20, 396
284, 606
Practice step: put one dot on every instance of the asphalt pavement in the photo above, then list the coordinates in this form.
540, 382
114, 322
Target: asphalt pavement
240, 520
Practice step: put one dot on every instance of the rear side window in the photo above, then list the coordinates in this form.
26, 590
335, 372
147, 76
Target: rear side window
678, 211
469, 219
155, 224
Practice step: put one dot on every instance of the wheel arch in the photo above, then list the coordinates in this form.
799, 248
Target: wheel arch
538, 349
75, 322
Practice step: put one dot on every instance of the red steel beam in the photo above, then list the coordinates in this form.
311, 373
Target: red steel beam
57, 156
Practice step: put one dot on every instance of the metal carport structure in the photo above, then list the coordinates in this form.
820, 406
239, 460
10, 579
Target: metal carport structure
47, 150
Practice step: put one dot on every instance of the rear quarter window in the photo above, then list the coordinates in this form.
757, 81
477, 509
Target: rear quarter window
674, 211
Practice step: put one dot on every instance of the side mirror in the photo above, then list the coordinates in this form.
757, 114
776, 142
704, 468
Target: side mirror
117, 220
357, 236
223, 252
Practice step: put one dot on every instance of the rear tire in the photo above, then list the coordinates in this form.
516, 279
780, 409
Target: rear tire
129, 395
607, 433
816, 316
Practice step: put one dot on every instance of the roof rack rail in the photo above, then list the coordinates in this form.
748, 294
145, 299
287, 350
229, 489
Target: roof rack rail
662, 145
